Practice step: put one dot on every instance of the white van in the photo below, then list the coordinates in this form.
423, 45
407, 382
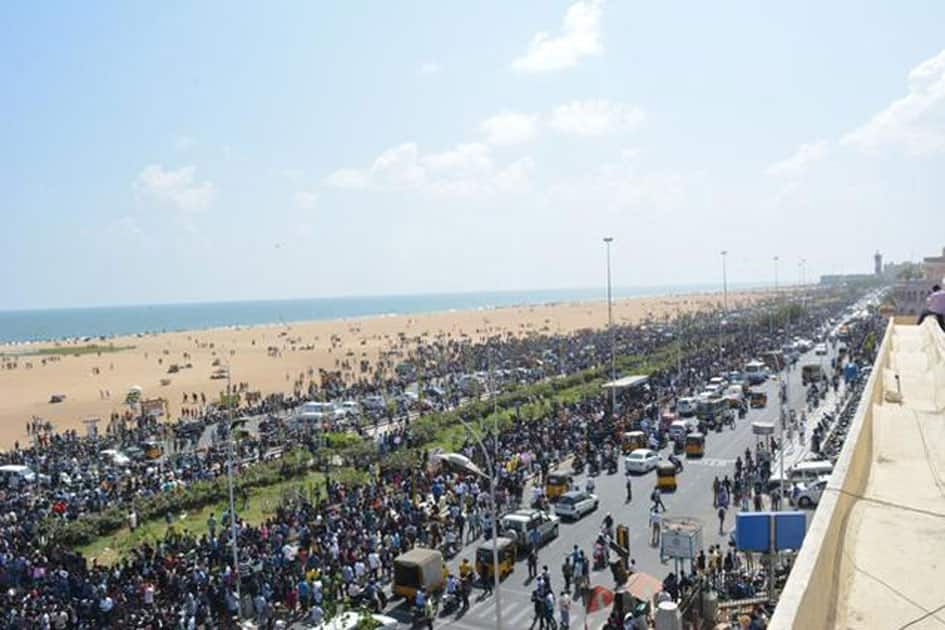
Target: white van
805, 472
810, 471
16, 474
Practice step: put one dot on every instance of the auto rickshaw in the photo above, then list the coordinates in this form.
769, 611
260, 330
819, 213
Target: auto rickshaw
152, 449
485, 560
419, 568
557, 484
632, 440
758, 400
666, 476
695, 445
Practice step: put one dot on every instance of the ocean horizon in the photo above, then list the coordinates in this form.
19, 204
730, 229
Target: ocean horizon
37, 325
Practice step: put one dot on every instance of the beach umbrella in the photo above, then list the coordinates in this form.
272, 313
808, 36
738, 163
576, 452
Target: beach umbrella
641, 585
136, 388
600, 598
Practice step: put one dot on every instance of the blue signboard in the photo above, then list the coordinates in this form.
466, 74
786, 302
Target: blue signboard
789, 530
753, 531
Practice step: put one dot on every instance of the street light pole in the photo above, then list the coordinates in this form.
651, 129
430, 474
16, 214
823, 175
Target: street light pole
493, 478
229, 482
724, 281
494, 517
610, 325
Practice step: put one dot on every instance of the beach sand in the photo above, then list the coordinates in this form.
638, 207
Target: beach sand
273, 358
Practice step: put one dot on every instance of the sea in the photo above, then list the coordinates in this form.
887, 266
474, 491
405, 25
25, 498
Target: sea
24, 326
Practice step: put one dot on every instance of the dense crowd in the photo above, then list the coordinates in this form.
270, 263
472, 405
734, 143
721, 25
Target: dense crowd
336, 547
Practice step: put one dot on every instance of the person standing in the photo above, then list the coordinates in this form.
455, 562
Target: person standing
721, 520
567, 571
655, 520
532, 562
629, 490
564, 609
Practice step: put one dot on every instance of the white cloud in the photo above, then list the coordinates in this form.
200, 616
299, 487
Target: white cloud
175, 187
508, 128
805, 155
580, 37
464, 170
429, 68
595, 117
915, 122
306, 199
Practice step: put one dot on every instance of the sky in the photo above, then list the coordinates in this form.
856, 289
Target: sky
203, 151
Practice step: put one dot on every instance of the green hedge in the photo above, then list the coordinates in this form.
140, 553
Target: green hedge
193, 497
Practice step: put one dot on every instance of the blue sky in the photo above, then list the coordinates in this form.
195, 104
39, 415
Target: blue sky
161, 152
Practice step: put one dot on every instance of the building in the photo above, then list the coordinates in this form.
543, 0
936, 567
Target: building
877, 264
872, 554
934, 268
909, 294
839, 279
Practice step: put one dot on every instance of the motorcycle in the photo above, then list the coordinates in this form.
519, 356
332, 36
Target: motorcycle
600, 559
577, 466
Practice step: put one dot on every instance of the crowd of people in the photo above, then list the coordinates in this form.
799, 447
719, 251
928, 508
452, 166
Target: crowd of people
334, 549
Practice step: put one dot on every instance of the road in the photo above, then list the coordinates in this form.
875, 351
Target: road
693, 498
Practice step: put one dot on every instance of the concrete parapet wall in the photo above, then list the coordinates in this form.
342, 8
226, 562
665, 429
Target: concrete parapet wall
809, 599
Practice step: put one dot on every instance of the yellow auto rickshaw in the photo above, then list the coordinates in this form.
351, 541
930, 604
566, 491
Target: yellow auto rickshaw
152, 449
419, 568
485, 562
557, 484
758, 400
632, 440
695, 445
666, 476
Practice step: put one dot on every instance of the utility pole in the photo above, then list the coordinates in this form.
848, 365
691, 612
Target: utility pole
724, 282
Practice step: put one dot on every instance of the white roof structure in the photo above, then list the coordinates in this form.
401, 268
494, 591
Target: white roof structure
626, 382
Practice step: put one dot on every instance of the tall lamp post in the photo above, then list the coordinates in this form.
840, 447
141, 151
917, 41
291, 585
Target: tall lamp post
229, 482
610, 326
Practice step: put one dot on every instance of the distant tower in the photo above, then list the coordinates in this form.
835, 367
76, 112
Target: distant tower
878, 263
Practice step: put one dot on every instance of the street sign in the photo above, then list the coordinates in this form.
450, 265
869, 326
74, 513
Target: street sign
681, 538
753, 531
789, 530
762, 428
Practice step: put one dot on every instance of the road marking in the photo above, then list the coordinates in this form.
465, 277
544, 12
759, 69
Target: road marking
711, 461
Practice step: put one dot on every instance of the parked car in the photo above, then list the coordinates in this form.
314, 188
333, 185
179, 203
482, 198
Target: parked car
575, 504
519, 526
642, 460
809, 493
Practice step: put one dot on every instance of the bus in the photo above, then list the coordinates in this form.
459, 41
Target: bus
755, 372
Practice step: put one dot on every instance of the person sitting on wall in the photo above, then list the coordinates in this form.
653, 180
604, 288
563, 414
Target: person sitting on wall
935, 306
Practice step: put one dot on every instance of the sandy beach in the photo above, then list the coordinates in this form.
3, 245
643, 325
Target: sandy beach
273, 358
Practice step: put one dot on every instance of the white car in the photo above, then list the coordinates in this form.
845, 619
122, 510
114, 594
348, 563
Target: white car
809, 494
820, 349
575, 504
642, 460
116, 457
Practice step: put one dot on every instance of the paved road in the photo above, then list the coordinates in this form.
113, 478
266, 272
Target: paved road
693, 498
